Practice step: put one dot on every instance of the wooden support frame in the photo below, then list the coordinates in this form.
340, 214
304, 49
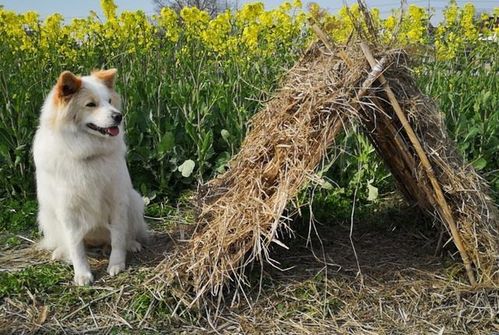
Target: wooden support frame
441, 204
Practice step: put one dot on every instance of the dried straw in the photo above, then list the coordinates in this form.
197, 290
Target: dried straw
431, 172
241, 211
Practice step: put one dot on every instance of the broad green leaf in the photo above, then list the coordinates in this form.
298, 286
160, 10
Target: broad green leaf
480, 163
476, 106
373, 192
187, 167
486, 96
326, 185
225, 135
472, 133
221, 162
167, 143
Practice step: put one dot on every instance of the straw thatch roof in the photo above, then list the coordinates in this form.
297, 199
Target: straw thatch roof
242, 212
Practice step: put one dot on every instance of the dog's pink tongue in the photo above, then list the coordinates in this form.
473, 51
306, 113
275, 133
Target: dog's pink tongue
113, 131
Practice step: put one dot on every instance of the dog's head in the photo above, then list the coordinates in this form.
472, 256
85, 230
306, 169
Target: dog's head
88, 102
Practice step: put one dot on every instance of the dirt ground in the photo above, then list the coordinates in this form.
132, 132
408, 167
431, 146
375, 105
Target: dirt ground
391, 282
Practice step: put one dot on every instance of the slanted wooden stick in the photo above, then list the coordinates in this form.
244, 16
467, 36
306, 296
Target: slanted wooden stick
322, 36
442, 206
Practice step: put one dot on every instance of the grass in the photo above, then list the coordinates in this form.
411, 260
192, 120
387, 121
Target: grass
182, 102
185, 103
17, 220
463, 89
194, 107
402, 287
36, 279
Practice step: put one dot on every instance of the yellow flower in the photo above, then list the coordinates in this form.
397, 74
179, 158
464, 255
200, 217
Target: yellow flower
467, 22
109, 9
250, 36
450, 13
168, 20
390, 22
249, 12
195, 21
285, 6
217, 34
417, 18
297, 4
134, 30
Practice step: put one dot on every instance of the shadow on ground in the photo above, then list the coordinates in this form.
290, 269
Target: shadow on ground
402, 288
386, 276
380, 246
153, 252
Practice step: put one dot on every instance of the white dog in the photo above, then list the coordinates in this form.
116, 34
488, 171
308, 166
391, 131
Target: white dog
84, 190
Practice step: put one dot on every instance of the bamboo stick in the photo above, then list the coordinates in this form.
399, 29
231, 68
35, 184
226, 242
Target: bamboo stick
322, 36
442, 207
387, 140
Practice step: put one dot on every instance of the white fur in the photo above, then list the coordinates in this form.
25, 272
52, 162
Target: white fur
83, 185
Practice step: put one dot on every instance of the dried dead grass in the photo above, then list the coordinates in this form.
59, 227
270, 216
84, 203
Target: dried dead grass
466, 193
404, 290
241, 212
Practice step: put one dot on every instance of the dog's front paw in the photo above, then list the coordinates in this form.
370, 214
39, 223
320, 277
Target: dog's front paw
58, 254
83, 278
134, 246
114, 269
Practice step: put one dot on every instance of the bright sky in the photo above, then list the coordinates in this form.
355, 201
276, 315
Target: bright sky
70, 9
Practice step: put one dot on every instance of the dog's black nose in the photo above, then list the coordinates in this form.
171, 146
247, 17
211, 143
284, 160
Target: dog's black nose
117, 117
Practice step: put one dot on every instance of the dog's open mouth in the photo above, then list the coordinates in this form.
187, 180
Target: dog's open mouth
111, 131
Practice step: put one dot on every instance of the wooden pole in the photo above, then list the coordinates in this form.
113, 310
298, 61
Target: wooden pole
442, 206
322, 36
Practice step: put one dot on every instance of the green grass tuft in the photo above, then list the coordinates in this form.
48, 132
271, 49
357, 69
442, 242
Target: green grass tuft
33, 279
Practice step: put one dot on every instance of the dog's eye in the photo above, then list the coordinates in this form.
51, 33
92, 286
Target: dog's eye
91, 104
109, 100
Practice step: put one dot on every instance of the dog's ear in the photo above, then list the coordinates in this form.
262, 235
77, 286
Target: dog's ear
67, 85
106, 76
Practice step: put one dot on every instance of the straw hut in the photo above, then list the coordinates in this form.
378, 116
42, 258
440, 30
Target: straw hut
242, 212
